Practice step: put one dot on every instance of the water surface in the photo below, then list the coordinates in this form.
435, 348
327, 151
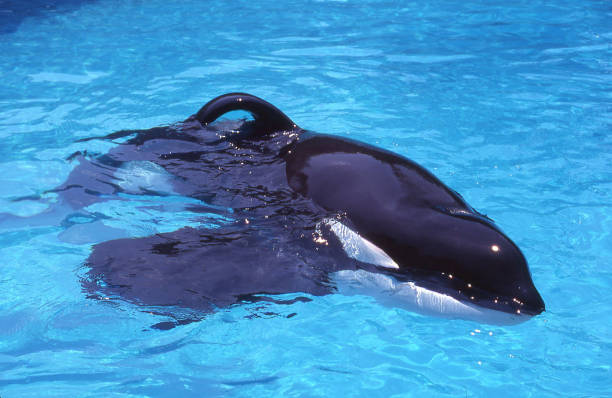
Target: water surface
509, 103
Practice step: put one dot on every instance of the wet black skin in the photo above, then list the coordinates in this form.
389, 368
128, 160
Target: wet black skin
284, 181
418, 221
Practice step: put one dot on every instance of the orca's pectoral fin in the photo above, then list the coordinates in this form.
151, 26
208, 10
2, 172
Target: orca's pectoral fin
268, 118
203, 269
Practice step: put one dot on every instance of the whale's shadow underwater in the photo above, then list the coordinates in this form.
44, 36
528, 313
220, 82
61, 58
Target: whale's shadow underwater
304, 213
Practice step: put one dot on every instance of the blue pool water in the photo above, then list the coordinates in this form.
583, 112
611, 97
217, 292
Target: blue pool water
508, 102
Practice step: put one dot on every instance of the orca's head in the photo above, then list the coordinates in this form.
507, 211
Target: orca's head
466, 256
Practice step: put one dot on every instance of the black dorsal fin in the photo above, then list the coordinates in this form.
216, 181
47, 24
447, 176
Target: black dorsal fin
268, 118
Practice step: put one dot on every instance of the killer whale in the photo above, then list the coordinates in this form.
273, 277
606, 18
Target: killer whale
307, 211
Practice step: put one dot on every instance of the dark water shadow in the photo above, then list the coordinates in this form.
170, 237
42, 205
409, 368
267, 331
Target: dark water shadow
13, 12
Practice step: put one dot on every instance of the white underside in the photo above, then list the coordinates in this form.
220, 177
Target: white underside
138, 176
407, 295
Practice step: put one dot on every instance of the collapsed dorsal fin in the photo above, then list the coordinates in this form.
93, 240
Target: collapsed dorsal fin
267, 117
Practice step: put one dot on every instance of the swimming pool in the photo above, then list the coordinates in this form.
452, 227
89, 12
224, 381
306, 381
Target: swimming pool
509, 104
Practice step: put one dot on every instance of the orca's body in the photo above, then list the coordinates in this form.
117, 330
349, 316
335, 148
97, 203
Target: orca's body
305, 213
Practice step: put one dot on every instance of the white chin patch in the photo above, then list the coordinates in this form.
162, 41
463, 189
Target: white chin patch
407, 295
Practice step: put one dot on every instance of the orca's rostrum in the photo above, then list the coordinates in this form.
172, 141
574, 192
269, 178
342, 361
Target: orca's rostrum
305, 213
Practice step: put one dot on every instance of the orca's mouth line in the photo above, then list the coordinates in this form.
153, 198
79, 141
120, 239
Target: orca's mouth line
436, 287
409, 295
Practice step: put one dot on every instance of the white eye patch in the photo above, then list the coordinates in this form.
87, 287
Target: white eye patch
359, 248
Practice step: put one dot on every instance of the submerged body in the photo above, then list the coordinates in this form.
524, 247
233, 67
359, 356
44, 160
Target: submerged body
306, 213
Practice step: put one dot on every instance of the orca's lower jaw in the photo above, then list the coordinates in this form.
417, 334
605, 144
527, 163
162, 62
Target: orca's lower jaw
425, 298
525, 302
510, 305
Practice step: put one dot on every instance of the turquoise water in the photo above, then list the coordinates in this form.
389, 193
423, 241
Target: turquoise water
509, 103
